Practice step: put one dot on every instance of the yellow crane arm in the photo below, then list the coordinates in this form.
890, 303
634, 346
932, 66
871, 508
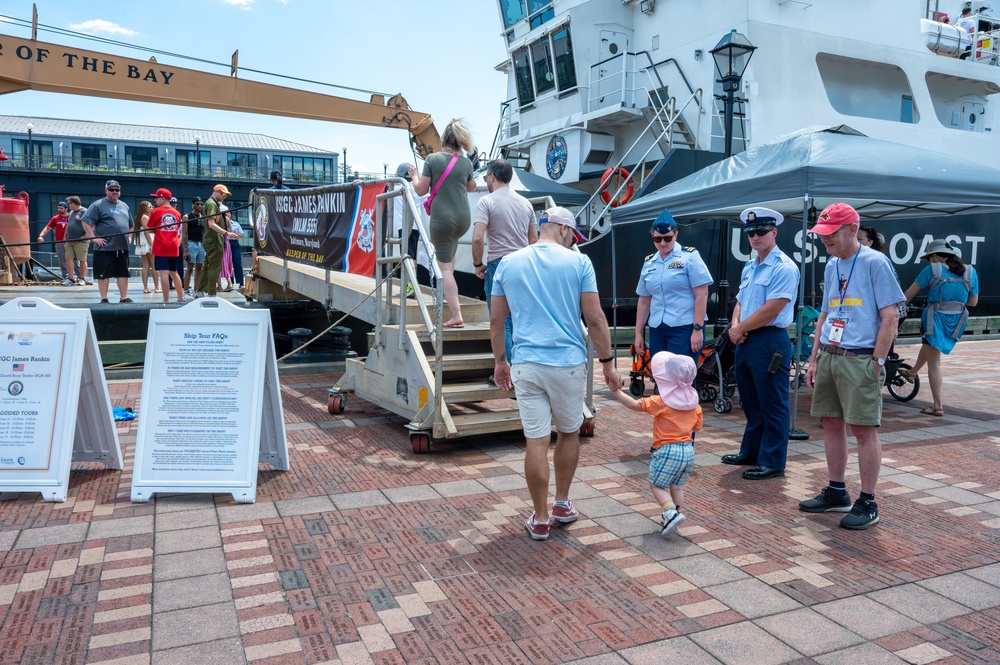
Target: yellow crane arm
34, 65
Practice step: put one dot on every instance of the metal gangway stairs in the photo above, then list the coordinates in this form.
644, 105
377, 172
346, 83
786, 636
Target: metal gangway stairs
416, 368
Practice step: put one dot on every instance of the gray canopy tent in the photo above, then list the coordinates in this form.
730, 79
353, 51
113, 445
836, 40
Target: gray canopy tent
812, 168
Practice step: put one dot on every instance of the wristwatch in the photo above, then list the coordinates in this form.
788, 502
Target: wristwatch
698, 326
880, 361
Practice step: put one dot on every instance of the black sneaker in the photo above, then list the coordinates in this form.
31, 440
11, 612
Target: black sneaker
125, 300
828, 501
862, 515
105, 301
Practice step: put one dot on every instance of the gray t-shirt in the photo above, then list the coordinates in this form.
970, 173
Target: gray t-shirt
107, 218
868, 283
74, 227
507, 216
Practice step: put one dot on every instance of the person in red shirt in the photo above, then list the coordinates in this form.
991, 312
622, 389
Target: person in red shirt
165, 222
59, 223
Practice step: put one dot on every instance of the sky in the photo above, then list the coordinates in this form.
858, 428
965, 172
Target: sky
440, 55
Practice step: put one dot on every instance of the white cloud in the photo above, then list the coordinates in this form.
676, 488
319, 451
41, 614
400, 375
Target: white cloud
98, 25
245, 5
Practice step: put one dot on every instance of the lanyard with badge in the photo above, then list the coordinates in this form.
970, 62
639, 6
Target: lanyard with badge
840, 322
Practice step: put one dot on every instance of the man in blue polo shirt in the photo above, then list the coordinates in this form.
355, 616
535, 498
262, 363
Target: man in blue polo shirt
765, 307
857, 326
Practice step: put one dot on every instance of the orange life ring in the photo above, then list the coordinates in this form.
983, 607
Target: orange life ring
606, 180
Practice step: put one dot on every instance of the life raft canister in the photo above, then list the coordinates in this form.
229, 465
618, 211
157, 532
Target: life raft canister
612, 179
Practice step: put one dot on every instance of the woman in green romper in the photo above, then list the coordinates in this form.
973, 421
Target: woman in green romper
451, 215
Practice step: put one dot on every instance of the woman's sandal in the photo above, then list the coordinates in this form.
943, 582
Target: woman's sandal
907, 374
931, 411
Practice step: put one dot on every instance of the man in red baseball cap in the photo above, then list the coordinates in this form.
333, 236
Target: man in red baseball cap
857, 326
165, 221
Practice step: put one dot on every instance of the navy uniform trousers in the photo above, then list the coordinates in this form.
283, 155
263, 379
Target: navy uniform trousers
763, 396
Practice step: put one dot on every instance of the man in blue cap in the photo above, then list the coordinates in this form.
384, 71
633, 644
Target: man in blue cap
673, 294
765, 306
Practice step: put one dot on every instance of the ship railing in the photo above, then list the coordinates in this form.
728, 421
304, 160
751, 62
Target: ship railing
740, 115
666, 116
505, 130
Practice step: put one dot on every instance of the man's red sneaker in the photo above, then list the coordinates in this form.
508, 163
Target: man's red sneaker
535, 530
565, 514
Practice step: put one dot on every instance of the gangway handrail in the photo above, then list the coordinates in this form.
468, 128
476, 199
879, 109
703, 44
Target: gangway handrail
411, 218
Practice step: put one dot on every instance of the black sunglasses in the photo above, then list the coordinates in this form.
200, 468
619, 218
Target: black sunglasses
759, 232
659, 239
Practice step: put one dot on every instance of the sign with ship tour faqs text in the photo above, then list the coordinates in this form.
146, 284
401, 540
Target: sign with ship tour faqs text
211, 402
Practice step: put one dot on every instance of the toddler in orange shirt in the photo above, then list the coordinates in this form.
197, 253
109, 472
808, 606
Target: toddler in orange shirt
676, 417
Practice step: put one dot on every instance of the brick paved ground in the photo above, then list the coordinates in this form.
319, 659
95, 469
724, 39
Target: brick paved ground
366, 553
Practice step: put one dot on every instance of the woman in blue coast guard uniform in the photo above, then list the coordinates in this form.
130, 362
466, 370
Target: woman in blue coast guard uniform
673, 294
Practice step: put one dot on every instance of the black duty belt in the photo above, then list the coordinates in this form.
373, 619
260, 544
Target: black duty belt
847, 353
766, 329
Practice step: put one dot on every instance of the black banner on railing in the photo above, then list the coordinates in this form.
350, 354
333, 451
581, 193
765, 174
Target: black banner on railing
331, 226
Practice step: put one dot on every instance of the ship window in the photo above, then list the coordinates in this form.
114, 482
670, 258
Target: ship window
866, 89
522, 75
562, 47
512, 12
906, 110
542, 17
541, 59
535, 5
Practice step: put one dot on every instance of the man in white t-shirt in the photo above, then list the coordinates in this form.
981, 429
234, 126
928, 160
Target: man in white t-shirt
550, 375
507, 219
967, 25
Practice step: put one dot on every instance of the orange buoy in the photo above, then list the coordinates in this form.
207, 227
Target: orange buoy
14, 225
612, 179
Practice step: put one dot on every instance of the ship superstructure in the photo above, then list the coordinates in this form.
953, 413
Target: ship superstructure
594, 83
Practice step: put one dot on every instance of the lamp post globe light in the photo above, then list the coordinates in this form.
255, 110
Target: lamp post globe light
732, 55
31, 128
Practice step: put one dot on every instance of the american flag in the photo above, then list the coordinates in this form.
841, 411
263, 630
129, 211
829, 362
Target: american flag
18, 367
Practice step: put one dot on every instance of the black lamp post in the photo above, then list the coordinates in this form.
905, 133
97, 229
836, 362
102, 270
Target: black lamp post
345, 163
197, 154
31, 128
385, 170
732, 55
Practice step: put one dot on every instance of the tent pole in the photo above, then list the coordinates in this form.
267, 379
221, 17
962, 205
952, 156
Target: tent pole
795, 433
614, 294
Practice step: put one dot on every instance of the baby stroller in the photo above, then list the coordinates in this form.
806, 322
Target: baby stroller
640, 370
715, 380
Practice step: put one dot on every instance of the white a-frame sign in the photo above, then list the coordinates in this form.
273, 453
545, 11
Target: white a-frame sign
211, 402
54, 401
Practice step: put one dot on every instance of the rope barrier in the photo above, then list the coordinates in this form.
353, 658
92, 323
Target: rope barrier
353, 309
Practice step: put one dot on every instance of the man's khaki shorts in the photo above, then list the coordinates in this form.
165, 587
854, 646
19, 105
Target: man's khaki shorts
547, 394
847, 388
77, 251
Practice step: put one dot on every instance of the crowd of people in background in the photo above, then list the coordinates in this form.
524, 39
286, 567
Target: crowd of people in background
170, 247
